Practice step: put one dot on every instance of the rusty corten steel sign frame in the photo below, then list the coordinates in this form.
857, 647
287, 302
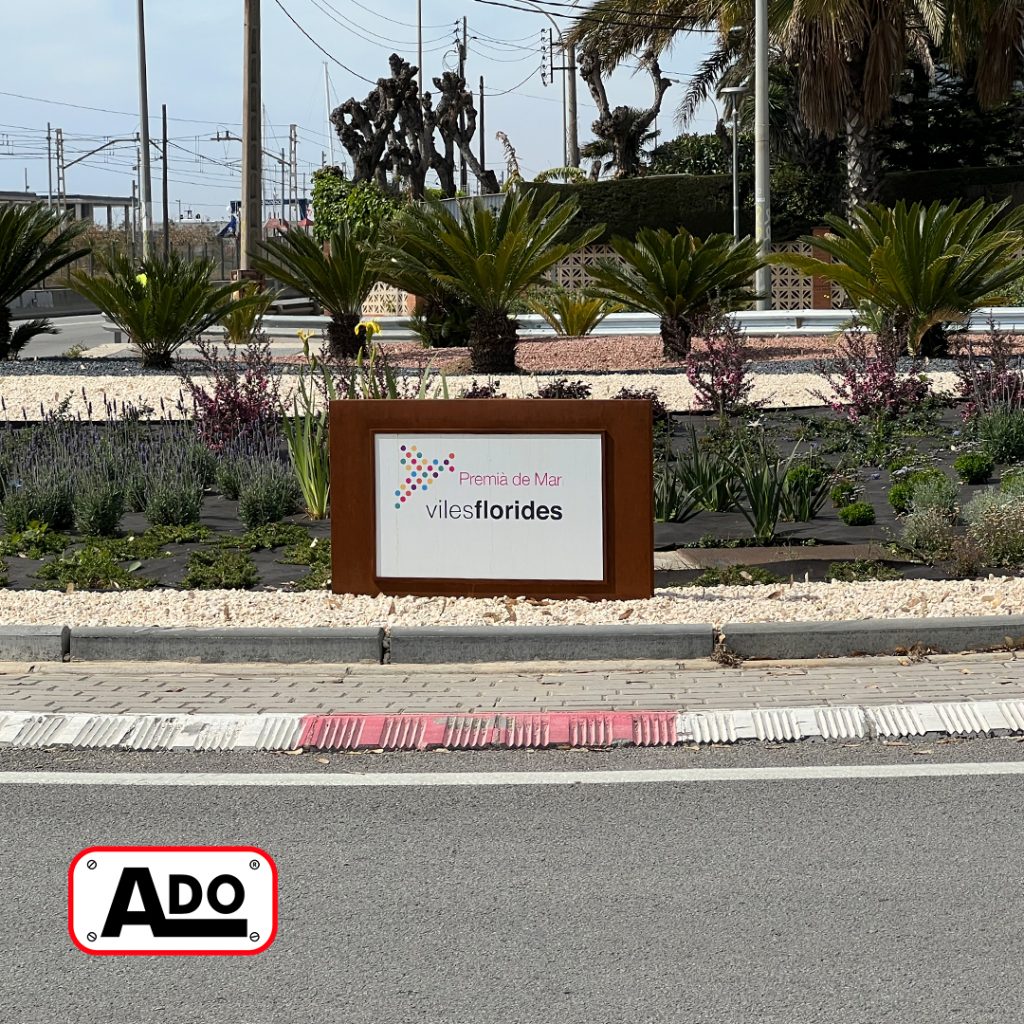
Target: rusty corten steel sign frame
359, 428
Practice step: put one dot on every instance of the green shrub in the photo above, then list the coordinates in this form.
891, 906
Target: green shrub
269, 493
228, 476
3, 573
861, 569
562, 387
859, 513
174, 503
974, 467
995, 522
220, 570
1001, 433
42, 498
901, 495
92, 567
1012, 481
937, 493
34, 541
317, 555
735, 576
268, 537
928, 533
99, 507
843, 494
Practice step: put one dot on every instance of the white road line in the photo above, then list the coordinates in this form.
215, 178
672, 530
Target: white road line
594, 778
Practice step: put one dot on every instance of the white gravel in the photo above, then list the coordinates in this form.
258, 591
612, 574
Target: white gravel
26, 395
797, 602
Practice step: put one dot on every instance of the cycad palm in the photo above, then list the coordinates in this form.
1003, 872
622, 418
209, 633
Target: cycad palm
159, 305
339, 279
913, 269
34, 243
679, 278
488, 260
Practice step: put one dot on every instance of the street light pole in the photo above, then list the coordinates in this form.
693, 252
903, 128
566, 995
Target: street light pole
762, 169
735, 92
145, 181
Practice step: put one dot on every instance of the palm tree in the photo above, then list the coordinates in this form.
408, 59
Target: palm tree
34, 243
632, 145
848, 55
911, 270
488, 260
679, 278
339, 278
160, 305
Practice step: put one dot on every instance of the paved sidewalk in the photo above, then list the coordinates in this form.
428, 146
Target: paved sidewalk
140, 688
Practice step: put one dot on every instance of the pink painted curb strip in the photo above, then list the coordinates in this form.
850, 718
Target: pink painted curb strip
503, 731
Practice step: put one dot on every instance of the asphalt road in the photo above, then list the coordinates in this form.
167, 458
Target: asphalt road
762, 900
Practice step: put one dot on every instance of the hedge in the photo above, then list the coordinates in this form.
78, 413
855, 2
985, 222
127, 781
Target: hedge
701, 204
965, 183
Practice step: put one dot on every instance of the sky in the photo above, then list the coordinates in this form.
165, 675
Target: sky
75, 66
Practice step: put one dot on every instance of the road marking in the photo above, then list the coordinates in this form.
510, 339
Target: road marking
802, 773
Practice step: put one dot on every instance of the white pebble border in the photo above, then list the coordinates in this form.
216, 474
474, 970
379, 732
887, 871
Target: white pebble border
26, 395
796, 602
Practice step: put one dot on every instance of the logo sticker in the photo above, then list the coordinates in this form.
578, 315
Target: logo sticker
172, 900
419, 472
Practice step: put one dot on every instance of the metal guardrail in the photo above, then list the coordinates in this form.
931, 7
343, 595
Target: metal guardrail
753, 323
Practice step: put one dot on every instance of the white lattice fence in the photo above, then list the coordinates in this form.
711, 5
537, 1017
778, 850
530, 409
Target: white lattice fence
790, 288
384, 300
571, 273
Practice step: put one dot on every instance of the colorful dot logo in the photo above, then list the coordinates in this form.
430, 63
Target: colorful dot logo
417, 471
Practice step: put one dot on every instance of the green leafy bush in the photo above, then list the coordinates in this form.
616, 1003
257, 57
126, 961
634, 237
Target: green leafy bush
572, 314
1001, 432
861, 569
673, 501
859, 513
842, 494
995, 522
317, 555
927, 533
936, 492
761, 479
99, 506
901, 494
709, 474
269, 493
220, 570
735, 576
35, 541
92, 567
974, 467
174, 502
269, 536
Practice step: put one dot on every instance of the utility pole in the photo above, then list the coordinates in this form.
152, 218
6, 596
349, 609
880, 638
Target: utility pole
252, 141
145, 181
61, 172
483, 136
284, 216
49, 169
574, 139
762, 170
463, 45
167, 212
327, 101
419, 46
293, 172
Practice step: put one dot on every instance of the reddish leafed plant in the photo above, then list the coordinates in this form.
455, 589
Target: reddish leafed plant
719, 374
988, 374
241, 392
866, 378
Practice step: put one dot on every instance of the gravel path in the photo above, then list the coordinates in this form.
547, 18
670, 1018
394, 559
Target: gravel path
797, 602
29, 397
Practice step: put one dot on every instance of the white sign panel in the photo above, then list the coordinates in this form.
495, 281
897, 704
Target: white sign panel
490, 506
146, 900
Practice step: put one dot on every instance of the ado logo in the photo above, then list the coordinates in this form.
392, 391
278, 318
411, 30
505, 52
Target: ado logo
186, 900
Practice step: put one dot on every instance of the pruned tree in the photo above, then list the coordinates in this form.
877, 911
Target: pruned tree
621, 132
395, 130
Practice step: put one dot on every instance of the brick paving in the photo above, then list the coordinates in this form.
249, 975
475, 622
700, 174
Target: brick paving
141, 688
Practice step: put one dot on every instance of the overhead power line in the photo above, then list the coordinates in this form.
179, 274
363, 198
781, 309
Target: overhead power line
326, 53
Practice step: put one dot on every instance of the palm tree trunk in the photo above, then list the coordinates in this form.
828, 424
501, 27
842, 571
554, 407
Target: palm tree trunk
492, 343
676, 337
343, 338
863, 160
5, 332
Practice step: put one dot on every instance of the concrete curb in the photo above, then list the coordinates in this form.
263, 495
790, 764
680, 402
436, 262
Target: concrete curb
34, 643
293, 646
449, 645
507, 731
778, 641
801, 641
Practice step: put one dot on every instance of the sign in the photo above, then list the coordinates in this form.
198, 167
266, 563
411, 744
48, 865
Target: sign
490, 506
167, 900
474, 497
